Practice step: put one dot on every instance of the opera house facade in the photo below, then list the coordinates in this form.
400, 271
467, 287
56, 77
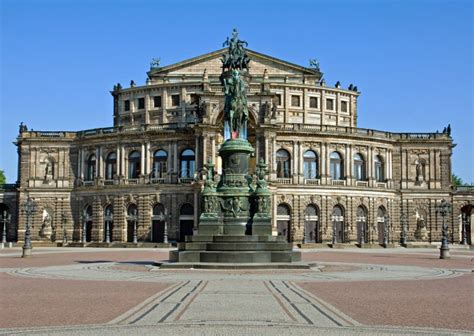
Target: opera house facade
140, 180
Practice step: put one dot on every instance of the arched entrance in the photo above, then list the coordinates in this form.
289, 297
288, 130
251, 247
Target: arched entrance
132, 219
312, 231
87, 217
158, 224
362, 228
108, 224
5, 220
381, 214
466, 214
338, 223
284, 221
186, 221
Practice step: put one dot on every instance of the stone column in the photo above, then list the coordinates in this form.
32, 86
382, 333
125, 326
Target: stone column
204, 149
119, 158
147, 108
348, 161
323, 161
322, 106
257, 148
97, 162
196, 151
183, 103
164, 105
213, 149
295, 162
148, 160
175, 159
142, 159
123, 161
266, 151
80, 172
301, 172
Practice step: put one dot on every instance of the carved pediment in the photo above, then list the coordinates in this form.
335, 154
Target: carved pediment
212, 64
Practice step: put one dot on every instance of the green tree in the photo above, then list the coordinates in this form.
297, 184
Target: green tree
3, 179
456, 180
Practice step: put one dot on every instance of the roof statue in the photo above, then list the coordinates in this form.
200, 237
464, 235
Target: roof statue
314, 64
155, 63
236, 58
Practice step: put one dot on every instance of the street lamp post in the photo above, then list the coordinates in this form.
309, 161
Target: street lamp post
64, 221
444, 208
29, 209
385, 232
85, 219
464, 224
403, 238
164, 218
334, 239
6, 220
133, 217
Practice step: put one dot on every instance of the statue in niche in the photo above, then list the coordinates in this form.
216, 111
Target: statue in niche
420, 171
48, 172
421, 230
46, 228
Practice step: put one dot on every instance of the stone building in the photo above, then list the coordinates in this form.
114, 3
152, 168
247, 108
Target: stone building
328, 177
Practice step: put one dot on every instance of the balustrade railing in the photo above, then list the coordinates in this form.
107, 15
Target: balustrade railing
312, 181
282, 180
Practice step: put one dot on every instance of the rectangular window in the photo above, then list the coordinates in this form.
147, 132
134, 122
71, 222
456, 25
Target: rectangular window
295, 101
141, 103
194, 99
329, 104
175, 100
279, 102
157, 101
313, 102
126, 105
343, 106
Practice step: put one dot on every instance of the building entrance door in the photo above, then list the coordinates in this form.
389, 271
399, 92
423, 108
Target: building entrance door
158, 231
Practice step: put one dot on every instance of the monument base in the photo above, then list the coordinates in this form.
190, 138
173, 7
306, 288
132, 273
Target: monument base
235, 249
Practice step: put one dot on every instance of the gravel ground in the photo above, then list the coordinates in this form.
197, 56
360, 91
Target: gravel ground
30, 302
446, 303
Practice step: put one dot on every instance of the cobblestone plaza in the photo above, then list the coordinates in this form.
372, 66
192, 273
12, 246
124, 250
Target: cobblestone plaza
85, 291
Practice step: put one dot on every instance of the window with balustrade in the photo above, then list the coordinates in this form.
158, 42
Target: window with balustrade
379, 169
160, 164
283, 164
187, 163
111, 166
134, 169
91, 167
310, 165
336, 166
359, 167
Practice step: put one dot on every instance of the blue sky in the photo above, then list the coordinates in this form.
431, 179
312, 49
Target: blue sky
412, 60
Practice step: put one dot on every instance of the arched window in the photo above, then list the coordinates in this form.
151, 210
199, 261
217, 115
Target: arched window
283, 164
312, 229
284, 221
310, 165
110, 166
134, 169
160, 164
379, 169
91, 165
336, 166
188, 164
359, 167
